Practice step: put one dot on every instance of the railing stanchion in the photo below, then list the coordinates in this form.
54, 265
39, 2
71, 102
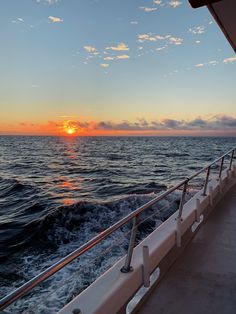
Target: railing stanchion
231, 160
221, 166
179, 218
206, 181
127, 268
181, 204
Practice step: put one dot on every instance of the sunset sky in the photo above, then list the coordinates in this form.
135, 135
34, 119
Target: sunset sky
114, 67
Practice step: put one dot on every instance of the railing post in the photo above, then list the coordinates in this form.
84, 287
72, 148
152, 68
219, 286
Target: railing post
231, 160
179, 218
127, 268
181, 204
146, 274
206, 181
221, 166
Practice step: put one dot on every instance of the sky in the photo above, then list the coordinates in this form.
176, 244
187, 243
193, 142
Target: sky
114, 67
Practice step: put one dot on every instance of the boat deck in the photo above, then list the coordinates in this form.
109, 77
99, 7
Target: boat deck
203, 278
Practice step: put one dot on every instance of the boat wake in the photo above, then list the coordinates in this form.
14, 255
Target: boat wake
38, 243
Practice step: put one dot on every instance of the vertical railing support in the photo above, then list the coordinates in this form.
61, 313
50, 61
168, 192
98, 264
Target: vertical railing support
221, 167
211, 195
206, 181
197, 212
127, 268
231, 160
146, 274
179, 218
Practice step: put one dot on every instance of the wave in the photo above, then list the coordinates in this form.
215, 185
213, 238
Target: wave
64, 229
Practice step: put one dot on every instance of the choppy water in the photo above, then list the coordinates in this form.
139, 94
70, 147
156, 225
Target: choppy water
56, 193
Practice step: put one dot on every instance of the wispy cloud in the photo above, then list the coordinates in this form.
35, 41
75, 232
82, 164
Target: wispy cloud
55, 19
90, 49
123, 57
18, 20
160, 48
230, 60
197, 30
50, 2
150, 37
175, 3
213, 62
109, 58
199, 65
104, 65
176, 40
148, 9
157, 2
119, 47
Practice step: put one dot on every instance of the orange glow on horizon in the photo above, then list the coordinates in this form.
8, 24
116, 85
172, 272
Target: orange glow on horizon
74, 128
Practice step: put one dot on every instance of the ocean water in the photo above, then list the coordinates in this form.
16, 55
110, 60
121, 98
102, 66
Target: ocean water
58, 192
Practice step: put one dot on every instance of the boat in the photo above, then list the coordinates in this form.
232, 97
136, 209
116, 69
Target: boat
167, 272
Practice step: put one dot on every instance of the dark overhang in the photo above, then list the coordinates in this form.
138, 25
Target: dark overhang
224, 13
200, 3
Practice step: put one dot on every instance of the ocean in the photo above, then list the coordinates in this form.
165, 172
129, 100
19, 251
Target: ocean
58, 192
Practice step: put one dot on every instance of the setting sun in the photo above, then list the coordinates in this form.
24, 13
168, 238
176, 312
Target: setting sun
70, 131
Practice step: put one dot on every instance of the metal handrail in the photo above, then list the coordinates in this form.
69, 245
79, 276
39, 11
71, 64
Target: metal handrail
19, 292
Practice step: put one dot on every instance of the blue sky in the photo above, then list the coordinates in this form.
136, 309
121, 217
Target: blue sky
112, 61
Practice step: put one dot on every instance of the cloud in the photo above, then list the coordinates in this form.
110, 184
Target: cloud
90, 49
218, 122
150, 37
224, 121
119, 47
176, 40
230, 60
147, 9
54, 19
50, 2
160, 48
116, 57
171, 124
199, 65
109, 58
133, 22
209, 63
175, 3
213, 62
104, 65
18, 20
123, 57
197, 30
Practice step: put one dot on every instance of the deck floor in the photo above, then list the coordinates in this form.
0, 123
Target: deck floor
203, 279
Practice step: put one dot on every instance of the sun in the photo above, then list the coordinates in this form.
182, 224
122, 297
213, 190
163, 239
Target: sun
70, 131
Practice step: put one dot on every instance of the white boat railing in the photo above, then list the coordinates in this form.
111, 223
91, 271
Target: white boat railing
28, 286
